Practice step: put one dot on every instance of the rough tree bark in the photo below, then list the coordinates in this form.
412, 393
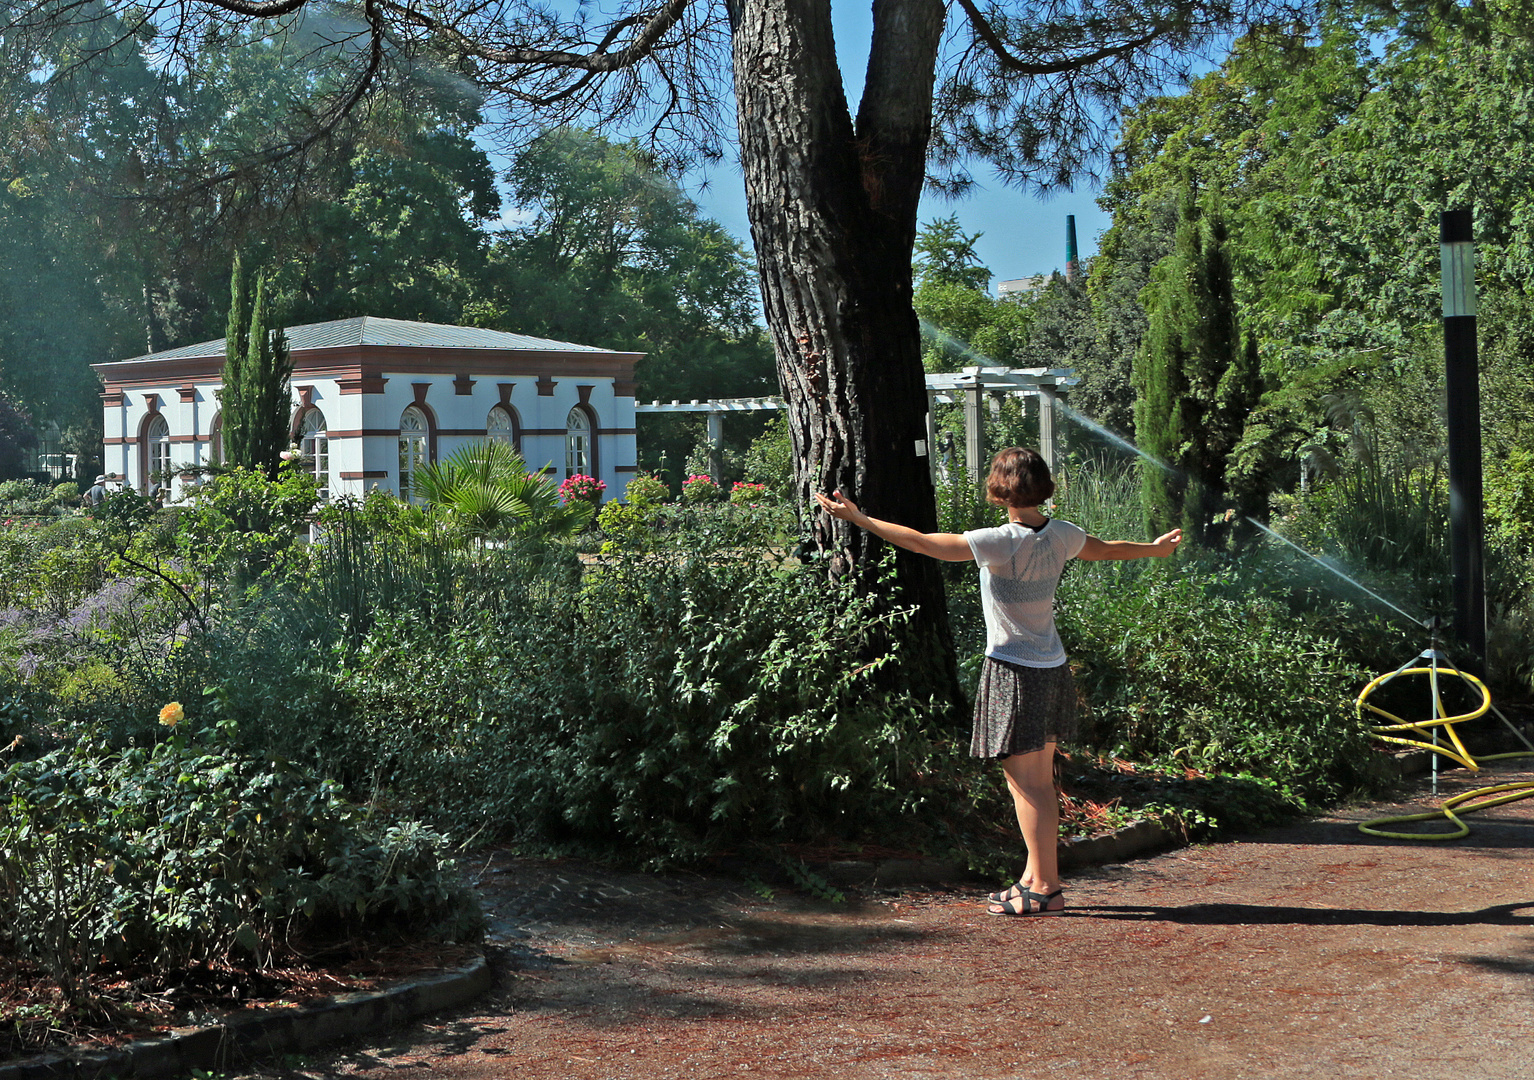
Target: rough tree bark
833, 211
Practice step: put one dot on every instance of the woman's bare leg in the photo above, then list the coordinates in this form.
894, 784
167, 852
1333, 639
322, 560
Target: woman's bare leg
1031, 779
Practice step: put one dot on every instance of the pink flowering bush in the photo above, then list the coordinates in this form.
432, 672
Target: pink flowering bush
701, 488
581, 488
747, 494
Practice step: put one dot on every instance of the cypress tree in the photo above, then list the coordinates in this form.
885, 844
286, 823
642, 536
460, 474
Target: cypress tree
1194, 382
1160, 373
256, 398
235, 396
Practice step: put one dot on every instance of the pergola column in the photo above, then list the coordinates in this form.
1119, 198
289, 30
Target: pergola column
1048, 439
932, 434
974, 430
716, 444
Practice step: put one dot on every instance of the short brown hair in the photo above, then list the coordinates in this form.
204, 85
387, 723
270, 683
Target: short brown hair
1019, 477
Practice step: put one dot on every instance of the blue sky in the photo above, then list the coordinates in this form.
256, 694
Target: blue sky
1020, 234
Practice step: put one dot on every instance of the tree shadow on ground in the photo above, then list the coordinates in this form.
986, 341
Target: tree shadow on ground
1267, 914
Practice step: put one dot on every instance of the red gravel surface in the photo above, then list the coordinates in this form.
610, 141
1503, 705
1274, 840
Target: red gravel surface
1309, 951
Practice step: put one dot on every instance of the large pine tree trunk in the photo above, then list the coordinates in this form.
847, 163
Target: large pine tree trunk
833, 211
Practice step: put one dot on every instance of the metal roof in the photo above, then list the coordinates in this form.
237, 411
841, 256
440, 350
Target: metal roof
370, 330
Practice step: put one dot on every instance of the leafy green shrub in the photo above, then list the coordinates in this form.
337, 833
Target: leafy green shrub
652, 711
623, 525
33, 497
770, 457
177, 854
244, 525
745, 494
1201, 665
645, 490
51, 568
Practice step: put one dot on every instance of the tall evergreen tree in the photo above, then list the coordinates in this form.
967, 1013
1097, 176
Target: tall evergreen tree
256, 397
1194, 381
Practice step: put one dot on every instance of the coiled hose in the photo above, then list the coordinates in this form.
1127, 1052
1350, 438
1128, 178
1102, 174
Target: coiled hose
1466, 803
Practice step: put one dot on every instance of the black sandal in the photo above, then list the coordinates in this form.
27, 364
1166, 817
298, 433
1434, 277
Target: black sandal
1029, 902
1011, 892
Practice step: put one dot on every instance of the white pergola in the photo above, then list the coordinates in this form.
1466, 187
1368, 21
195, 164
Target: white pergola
978, 389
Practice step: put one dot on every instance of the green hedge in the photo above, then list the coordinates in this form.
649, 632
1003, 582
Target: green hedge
175, 854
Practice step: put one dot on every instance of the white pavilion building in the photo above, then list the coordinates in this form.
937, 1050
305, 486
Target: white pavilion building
374, 399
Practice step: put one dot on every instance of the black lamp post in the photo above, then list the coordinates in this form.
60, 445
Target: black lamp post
1463, 385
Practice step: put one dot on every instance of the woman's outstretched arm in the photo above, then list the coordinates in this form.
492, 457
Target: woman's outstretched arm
1095, 550
951, 547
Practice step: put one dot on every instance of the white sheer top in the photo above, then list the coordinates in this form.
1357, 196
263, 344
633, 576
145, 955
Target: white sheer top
1019, 569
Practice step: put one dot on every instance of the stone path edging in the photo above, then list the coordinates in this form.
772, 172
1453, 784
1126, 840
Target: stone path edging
267, 1034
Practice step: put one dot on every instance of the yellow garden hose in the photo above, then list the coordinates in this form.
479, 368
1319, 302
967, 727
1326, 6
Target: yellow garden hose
1466, 803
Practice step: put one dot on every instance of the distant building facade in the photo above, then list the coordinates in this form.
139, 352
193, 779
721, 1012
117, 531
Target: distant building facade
1022, 286
375, 399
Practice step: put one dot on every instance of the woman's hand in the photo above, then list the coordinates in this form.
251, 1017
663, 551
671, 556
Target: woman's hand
839, 506
1167, 544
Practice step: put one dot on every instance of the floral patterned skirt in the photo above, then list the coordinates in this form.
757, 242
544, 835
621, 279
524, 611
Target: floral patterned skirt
1019, 709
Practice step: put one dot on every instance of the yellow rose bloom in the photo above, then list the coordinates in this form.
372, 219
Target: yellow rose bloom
172, 714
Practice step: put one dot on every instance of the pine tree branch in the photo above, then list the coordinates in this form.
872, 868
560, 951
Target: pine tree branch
330, 120
988, 35
599, 60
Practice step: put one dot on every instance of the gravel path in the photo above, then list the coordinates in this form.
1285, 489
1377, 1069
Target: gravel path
1308, 951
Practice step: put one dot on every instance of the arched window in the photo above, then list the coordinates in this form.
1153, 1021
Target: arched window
314, 444
501, 426
216, 440
579, 456
413, 436
156, 454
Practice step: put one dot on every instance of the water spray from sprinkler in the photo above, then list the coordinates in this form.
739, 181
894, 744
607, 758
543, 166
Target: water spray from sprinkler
1328, 566
1116, 439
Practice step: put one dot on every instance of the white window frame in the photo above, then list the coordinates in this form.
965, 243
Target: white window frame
501, 426
157, 451
314, 444
414, 447
579, 459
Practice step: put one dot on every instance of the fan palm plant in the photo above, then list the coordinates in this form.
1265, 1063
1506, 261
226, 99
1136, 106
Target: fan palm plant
487, 492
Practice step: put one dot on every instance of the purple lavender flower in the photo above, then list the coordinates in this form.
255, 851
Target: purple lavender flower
113, 598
